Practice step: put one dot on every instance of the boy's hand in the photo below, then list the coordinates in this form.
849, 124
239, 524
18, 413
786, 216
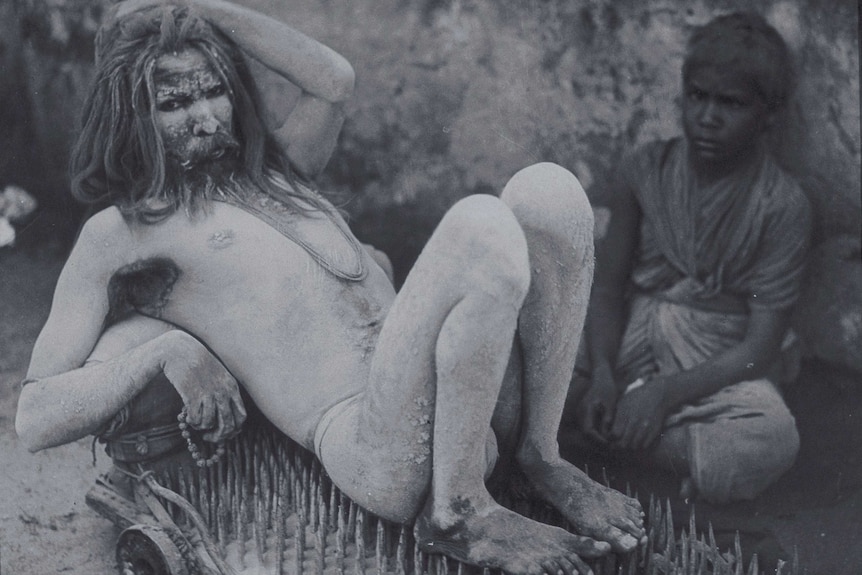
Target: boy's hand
640, 416
595, 411
209, 391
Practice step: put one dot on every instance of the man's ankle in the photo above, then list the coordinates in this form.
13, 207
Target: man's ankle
531, 459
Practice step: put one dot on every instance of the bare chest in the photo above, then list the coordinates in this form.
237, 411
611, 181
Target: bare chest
232, 271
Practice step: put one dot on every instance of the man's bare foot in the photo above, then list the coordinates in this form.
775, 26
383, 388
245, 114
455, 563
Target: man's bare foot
593, 509
496, 538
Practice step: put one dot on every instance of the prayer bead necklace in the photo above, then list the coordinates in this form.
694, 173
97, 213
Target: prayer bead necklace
192, 446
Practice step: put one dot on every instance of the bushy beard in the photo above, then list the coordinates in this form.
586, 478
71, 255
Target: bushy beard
210, 172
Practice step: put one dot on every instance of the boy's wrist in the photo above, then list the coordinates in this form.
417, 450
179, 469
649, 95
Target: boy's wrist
603, 376
667, 387
602, 366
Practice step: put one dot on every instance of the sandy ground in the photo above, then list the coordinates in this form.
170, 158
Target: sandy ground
45, 526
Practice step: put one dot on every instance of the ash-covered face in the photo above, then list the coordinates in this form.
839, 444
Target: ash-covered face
193, 109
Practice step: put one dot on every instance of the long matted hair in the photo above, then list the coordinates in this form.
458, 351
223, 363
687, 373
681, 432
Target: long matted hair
119, 156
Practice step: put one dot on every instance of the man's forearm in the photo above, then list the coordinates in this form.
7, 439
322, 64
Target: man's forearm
314, 67
57, 409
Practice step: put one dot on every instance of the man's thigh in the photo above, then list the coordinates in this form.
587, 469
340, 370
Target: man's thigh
390, 479
477, 251
384, 435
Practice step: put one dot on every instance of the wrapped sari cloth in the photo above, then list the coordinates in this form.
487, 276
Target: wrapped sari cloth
706, 257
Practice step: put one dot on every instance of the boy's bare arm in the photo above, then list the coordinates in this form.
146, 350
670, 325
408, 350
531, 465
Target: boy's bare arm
614, 262
606, 313
750, 359
641, 413
309, 133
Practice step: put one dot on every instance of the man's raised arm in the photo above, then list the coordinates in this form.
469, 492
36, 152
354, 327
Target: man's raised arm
309, 133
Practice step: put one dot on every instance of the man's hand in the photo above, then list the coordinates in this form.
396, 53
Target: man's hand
595, 411
209, 391
126, 7
640, 415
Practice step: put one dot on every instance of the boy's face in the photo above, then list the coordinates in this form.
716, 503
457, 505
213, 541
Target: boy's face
723, 118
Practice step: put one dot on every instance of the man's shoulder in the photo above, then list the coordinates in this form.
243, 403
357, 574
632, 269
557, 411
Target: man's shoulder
106, 228
105, 220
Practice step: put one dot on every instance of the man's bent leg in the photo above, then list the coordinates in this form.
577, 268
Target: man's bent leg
556, 217
394, 417
435, 376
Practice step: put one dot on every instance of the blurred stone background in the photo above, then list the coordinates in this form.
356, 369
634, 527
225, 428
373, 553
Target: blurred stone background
454, 96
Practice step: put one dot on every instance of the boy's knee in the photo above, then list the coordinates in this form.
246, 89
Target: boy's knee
743, 469
784, 445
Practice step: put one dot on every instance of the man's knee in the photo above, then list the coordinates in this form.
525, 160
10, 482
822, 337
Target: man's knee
548, 196
486, 242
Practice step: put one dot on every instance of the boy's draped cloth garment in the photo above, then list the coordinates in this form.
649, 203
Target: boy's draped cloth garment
707, 256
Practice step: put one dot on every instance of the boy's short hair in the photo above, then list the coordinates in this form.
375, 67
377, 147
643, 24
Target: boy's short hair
747, 44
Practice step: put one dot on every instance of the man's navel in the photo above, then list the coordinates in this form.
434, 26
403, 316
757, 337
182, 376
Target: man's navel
221, 239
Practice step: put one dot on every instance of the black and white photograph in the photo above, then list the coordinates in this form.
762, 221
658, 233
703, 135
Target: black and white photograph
430, 287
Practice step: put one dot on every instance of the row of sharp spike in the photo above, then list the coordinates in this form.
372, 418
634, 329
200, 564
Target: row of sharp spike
272, 500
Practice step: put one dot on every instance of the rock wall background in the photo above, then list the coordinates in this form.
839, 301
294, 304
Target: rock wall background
454, 96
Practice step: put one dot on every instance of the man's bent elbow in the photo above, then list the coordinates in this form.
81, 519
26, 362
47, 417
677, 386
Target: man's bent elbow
27, 432
29, 424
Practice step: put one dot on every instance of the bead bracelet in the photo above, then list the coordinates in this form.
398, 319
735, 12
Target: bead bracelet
200, 461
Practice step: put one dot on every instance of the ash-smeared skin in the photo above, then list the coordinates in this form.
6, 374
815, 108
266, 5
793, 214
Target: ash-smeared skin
462, 506
593, 510
193, 108
490, 536
143, 286
221, 239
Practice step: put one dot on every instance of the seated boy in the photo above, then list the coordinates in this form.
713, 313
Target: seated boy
695, 278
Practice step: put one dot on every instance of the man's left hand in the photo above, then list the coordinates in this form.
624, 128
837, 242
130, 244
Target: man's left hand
126, 7
640, 415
